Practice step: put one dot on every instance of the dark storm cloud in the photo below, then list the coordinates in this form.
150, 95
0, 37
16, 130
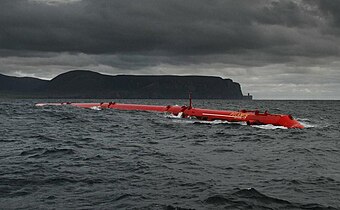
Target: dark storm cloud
274, 48
330, 8
157, 26
286, 13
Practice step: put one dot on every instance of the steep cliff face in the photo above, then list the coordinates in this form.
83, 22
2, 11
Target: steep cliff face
88, 84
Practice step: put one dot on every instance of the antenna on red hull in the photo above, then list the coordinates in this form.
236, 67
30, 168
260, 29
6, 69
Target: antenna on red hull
190, 101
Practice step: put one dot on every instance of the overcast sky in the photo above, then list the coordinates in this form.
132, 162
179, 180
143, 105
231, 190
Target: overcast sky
287, 49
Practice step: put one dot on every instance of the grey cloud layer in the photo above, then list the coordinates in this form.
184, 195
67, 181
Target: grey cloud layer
170, 27
290, 47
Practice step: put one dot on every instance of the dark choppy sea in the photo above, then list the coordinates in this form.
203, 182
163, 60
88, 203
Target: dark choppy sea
73, 158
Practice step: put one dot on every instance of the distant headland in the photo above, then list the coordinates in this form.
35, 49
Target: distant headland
89, 84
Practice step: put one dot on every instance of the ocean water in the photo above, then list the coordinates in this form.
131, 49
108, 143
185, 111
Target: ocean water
72, 158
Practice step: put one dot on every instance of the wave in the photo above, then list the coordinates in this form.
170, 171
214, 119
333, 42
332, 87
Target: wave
41, 152
252, 199
97, 108
177, 119
268, 127
307, 123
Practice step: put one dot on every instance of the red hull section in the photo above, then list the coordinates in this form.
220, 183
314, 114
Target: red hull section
250, 117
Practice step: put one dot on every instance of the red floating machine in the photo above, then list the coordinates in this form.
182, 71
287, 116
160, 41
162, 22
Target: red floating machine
251, 117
